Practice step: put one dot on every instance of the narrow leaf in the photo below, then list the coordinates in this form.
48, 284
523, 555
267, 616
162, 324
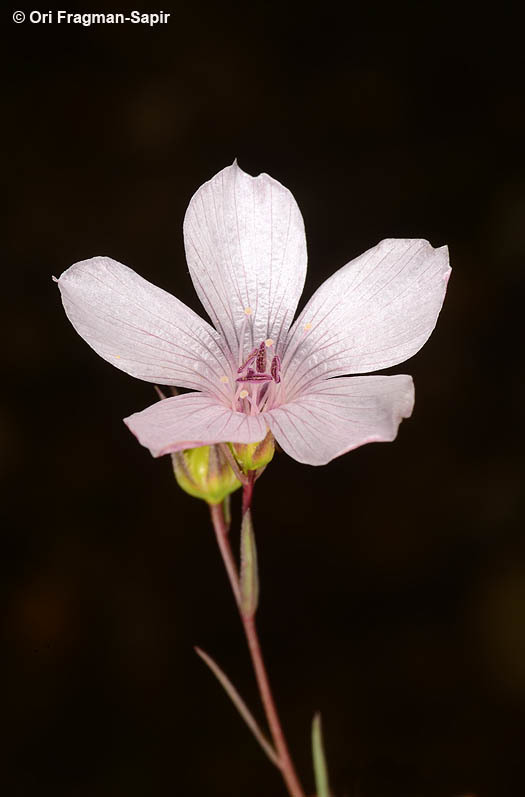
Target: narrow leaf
321, 773
249, 573
240, 705
159, 393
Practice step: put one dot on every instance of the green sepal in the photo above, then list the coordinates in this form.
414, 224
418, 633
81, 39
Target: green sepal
252, 456
204, 472
227, 511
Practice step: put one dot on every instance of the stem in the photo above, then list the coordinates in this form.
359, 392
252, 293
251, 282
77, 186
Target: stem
279, 740
285, 761
247, 492
221, 532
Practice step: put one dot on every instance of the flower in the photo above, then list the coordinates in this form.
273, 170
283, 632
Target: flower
255, 370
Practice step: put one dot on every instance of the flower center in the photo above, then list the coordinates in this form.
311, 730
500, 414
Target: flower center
256, 387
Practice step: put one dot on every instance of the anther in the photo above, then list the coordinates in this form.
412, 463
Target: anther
248, 311
251, 357
253, 378
243, 394
275, 369
261, 359
269, 342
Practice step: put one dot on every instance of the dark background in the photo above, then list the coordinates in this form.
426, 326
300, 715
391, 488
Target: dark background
393, 579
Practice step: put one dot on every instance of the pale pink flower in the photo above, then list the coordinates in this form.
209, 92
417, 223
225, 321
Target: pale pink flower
254, 370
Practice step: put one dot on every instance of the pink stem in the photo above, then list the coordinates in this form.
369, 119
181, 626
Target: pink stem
221, 532
285, 762
247, 492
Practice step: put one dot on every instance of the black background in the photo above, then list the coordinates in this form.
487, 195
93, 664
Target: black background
393, 579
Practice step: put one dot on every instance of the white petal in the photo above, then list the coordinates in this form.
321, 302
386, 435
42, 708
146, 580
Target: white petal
338, 415
140, 328
192, 420
376, 311
246, 251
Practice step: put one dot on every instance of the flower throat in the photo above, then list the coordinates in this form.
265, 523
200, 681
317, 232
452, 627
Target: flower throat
257, 388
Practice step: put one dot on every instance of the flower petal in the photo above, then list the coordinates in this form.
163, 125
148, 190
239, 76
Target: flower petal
246, 251
192, 420
140, 328
338, 415
376, 311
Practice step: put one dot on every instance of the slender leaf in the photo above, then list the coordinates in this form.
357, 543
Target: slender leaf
320, 770
249, 572
159, 393
240, 705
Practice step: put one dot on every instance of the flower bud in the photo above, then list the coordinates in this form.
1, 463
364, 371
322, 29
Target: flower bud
204, 473
252, 456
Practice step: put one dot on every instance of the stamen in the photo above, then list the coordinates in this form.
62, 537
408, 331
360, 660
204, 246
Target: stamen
235, 398
275, 369
261, 358
266, 399
253, 379
253, 401
264, 387
249, 361
246, 321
